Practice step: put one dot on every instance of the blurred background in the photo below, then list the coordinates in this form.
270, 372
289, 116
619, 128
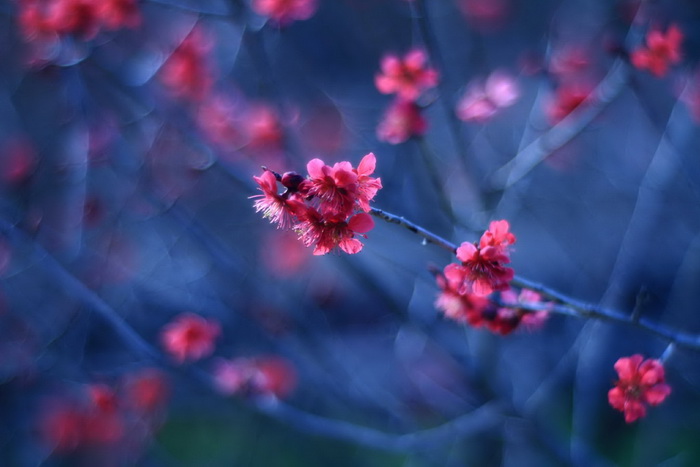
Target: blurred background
129, 136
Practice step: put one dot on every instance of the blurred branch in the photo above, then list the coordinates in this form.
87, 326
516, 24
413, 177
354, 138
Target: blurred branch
480, 419
563, 132
566, 305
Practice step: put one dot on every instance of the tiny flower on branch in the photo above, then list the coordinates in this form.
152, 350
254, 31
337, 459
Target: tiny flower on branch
269, 376
482, 270
189, 337
284, 12
641, 382
661, 51
408, 77
402, 121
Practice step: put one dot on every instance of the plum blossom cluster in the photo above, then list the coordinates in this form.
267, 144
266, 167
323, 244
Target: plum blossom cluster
259, 376
660, 52
467, 289
641, 382
48, 20
327, 209
120, 416
406, 77
284, 12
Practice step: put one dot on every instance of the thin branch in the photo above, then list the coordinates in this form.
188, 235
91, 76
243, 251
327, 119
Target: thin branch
566, 305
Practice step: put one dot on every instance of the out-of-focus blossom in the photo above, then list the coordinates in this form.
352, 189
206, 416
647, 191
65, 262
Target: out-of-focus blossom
189, 337
565, 100
641, 383
263, 128
485, 15
146, 390
117, 14
480, 101
402, 120
271, 376
661, 51
186, 73
284, 12
46, 20
407, 77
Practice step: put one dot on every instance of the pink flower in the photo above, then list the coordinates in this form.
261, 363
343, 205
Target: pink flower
189, 337
661, 51
482, 270
481, 102
407, 77
340, 188
508, 318
401, 121
367, 186
278, 208
284, 12
640, 382
335, 186
272, 376
327, 233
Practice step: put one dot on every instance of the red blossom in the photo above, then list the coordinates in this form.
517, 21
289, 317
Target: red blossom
640, 382
567, 98
402, 120
482, 270
367, 186
328, 209
335, 186
189, 337
407, 77
661, 51
278, 208
146, 390
327, 233
284, 12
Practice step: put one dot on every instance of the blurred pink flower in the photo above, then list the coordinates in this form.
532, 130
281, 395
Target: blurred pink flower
407, 77
189, 337
284, 12
402, 120
480, 102
661, 51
